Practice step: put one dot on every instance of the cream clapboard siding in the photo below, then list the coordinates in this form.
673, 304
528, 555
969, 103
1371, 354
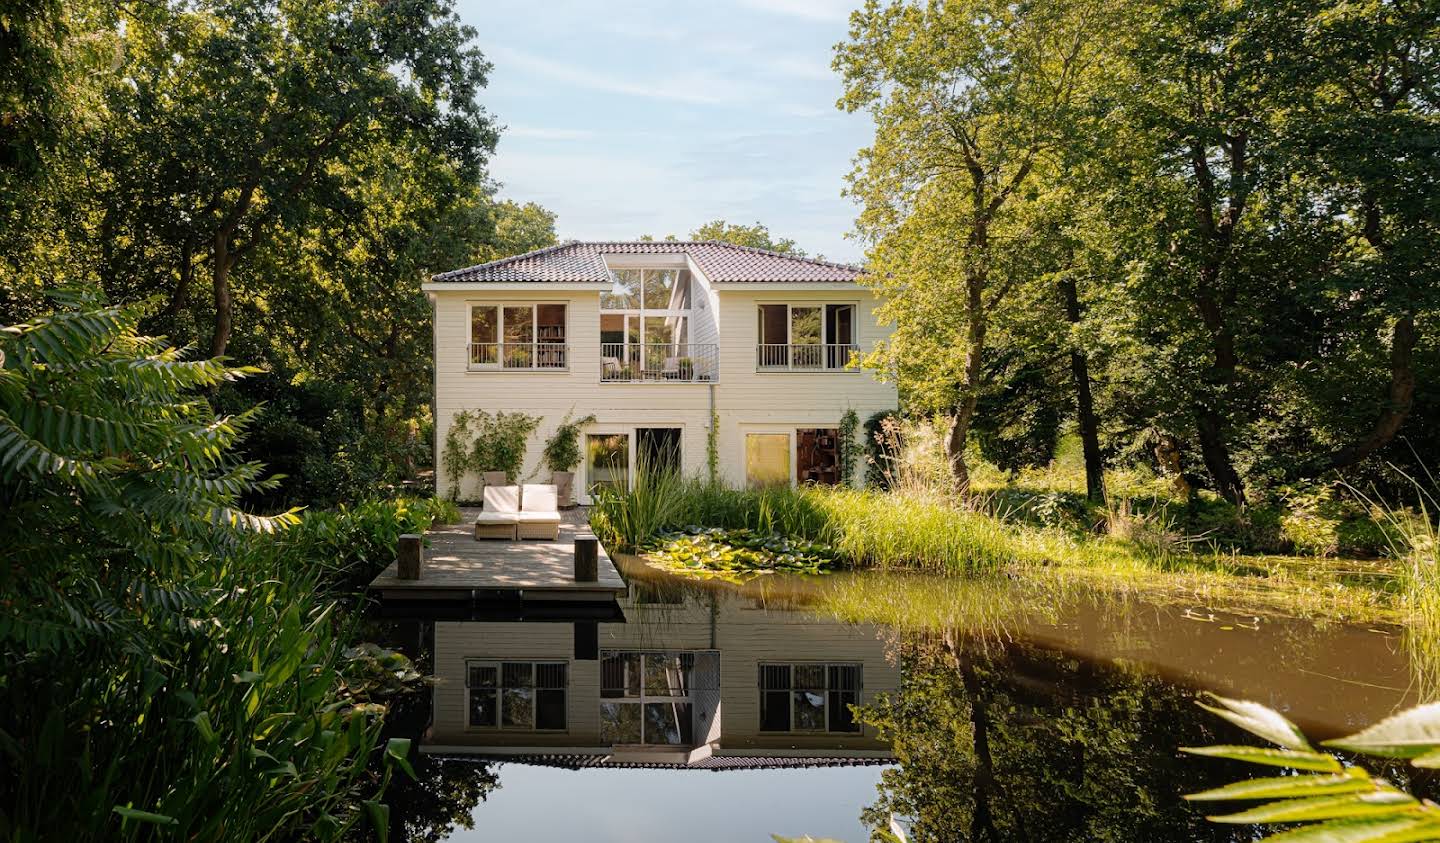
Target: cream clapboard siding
745, 400
745, 637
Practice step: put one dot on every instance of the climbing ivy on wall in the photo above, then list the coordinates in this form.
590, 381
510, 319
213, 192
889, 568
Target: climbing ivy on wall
479, 441
849, 448
712, 448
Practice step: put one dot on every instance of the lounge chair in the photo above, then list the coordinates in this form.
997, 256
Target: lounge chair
539, 516
501, 517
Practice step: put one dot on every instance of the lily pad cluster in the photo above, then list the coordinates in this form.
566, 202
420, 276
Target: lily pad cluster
737, 554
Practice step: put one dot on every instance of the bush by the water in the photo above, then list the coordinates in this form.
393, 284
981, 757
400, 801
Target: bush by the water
173, 663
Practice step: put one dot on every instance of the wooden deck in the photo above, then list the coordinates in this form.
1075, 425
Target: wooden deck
459, 568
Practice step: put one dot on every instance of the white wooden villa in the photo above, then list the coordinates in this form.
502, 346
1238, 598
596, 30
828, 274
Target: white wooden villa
655, 339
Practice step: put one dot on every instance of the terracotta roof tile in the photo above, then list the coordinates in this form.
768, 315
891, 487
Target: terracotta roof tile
722, 263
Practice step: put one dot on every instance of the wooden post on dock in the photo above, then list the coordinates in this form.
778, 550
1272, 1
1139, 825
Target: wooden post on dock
587, 558
410, 557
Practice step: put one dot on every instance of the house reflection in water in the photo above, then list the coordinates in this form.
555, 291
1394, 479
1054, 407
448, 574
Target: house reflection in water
692, 678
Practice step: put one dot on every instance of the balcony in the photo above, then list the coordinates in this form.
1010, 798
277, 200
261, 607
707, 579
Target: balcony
807, 357
659, 363
518, 356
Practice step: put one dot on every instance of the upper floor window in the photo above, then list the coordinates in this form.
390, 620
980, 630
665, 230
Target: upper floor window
518, 336
805, 337
528, 696
809, 697
646, 327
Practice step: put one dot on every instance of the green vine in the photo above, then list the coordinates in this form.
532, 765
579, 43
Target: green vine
479, 441
849, 448
562, 449
712, 448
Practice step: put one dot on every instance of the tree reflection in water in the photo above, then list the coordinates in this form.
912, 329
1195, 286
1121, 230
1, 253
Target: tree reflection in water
1019, 743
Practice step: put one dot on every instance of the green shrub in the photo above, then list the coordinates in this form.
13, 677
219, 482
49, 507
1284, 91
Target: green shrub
562, 449
479, 441
171, 666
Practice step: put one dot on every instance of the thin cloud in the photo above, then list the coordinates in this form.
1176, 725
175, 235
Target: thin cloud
827, 10
683, 87
547, 133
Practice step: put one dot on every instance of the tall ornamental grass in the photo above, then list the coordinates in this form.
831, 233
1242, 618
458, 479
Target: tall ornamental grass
869, 528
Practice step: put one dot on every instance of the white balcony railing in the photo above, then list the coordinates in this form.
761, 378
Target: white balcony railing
800, 357
519, 355
659, 362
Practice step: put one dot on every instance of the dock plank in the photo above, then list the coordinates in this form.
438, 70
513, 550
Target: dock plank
455, 562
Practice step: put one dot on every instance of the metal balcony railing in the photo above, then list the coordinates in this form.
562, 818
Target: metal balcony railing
801, 357
659, 362
519, 355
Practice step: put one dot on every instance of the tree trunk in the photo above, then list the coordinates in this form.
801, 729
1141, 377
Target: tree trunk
1216, 455
1209, 420
182, 285
1401, 397
1084, 401
220, 276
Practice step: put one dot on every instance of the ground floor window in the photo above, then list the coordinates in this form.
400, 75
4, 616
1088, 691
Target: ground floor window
646, 698
519, 695
767, 459
814, 697
610, 462
817, 455
607, 458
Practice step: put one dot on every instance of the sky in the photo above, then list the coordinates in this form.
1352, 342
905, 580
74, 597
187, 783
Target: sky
628, 118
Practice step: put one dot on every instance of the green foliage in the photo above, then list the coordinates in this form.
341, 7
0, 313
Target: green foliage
849, 449
1332, 801
755, 236
736, 554
480, 441
864, 528
562, 449
171, 659
712, 448
881, 431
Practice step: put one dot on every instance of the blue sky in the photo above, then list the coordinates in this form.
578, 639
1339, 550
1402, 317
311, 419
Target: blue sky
630, 118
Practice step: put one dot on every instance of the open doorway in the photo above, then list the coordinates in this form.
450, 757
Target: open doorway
658, 449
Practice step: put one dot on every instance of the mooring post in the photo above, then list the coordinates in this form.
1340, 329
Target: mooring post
410, 557
587, 558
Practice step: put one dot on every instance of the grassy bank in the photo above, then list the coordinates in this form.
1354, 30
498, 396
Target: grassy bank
1132, 553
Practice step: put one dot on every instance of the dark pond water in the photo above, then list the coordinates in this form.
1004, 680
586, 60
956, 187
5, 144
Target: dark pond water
718, 713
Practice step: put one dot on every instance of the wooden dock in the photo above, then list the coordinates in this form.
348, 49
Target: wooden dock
459, 569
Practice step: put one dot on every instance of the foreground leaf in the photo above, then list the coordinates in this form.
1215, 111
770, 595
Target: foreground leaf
1279, 787
1350, 805
1407, 829
1295, 759
1409, 734
1259, 720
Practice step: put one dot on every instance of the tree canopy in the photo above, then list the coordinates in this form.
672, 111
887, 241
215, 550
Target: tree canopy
1188, 227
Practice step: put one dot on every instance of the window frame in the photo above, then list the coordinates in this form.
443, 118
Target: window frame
644, 698
642, 312
500, 688
825, 666
498, 364
826, 340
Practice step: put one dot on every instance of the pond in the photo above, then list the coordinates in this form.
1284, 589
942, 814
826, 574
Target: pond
710, 712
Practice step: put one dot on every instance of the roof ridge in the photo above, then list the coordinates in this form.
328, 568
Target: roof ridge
773, 253
499, 261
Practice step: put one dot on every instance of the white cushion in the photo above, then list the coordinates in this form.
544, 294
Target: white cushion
538, 517
497, 518
539, 497
502, 498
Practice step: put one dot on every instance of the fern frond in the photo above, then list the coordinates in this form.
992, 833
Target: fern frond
65, 338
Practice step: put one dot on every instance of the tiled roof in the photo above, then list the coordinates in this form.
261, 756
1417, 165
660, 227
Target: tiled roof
578, 261
578, 761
